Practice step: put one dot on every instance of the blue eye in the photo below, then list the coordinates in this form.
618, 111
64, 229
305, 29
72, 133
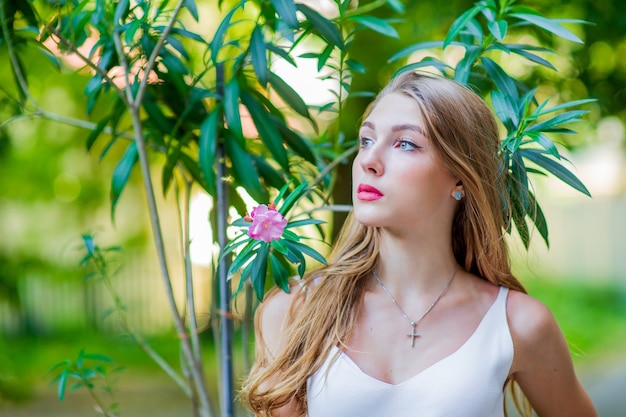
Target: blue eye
365, 142
406, 145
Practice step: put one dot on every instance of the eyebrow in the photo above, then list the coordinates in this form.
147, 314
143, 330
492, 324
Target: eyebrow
398, 128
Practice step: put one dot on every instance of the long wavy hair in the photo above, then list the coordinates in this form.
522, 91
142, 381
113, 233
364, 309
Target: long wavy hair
465, 136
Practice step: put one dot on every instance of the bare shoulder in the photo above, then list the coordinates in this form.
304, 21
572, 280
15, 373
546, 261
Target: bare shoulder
529, 319
542, 363
272, 316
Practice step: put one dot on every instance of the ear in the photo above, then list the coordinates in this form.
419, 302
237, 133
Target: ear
458, 192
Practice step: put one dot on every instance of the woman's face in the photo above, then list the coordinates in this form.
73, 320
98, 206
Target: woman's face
398, 181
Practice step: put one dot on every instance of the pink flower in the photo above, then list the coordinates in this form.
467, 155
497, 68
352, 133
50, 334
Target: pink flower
267, 223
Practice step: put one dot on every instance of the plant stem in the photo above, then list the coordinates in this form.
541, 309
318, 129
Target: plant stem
134, 109
226, 323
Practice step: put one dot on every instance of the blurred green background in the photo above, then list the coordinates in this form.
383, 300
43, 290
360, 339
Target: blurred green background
52, 191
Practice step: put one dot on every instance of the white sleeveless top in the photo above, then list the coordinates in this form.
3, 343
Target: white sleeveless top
469, 382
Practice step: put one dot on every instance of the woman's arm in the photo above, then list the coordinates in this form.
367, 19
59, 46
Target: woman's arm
272, 316
542, 365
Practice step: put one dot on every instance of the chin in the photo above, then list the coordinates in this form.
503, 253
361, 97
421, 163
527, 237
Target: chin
368, 219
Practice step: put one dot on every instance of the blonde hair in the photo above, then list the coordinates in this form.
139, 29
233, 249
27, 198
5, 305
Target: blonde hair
465, 136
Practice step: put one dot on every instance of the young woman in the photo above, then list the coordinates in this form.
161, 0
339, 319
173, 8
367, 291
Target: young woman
417, 313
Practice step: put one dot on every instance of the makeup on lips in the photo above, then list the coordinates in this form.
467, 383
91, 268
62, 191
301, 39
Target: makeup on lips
366, 192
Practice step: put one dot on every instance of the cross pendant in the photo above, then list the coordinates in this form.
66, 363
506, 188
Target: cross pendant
413, 335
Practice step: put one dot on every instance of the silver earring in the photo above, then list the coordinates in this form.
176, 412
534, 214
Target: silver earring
458, 195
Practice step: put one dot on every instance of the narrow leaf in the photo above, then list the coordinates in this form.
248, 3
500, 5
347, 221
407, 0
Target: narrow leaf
324, 27
259, 270
498, 29
502, 80
286, 9
244, 170
231, 108
193, 9
121, 174
258, 54
555, 169
459, 24
220, 33
307, 250
538, 218
207, 145
574, 103
414, 48
279, 272
567, 117
267, 129
288, 94
547, 24
121, 10
377, 25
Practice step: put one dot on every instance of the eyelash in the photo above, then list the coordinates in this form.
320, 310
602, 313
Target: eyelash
412, 146
363, 140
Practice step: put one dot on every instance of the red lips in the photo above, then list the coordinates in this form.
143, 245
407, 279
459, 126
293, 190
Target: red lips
366, 192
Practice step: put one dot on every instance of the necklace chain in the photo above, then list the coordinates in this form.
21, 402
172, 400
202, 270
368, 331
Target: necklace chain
414, 323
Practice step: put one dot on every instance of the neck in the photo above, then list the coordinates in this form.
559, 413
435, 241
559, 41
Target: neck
415, 266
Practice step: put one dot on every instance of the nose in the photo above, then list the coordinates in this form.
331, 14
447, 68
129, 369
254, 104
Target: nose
370, 160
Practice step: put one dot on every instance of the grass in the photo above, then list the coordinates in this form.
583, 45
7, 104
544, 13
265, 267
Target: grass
592, 316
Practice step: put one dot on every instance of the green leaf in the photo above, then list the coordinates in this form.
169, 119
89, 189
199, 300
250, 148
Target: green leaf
220, 33
555, 169
286, 9
356, 66
98, 357
121, 11
93, 135
519, 217
292, 198
426, 62
122, 173
62, 385
545, 143
304, 222
503, 109
574, 103
279, 272
414, 48
502, 80
288, 94
377, 25
193, 9
297, 143
259, 270
463, 68
536, 215
258, 54
244, 170
498, 29
271, 177
459, 24
243, 256
523, 51
267, 129
567, 117
520, 177
324, 27
396, 5
548, 25
194, 170
207, 145
307, 250
281, 53
231, 108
